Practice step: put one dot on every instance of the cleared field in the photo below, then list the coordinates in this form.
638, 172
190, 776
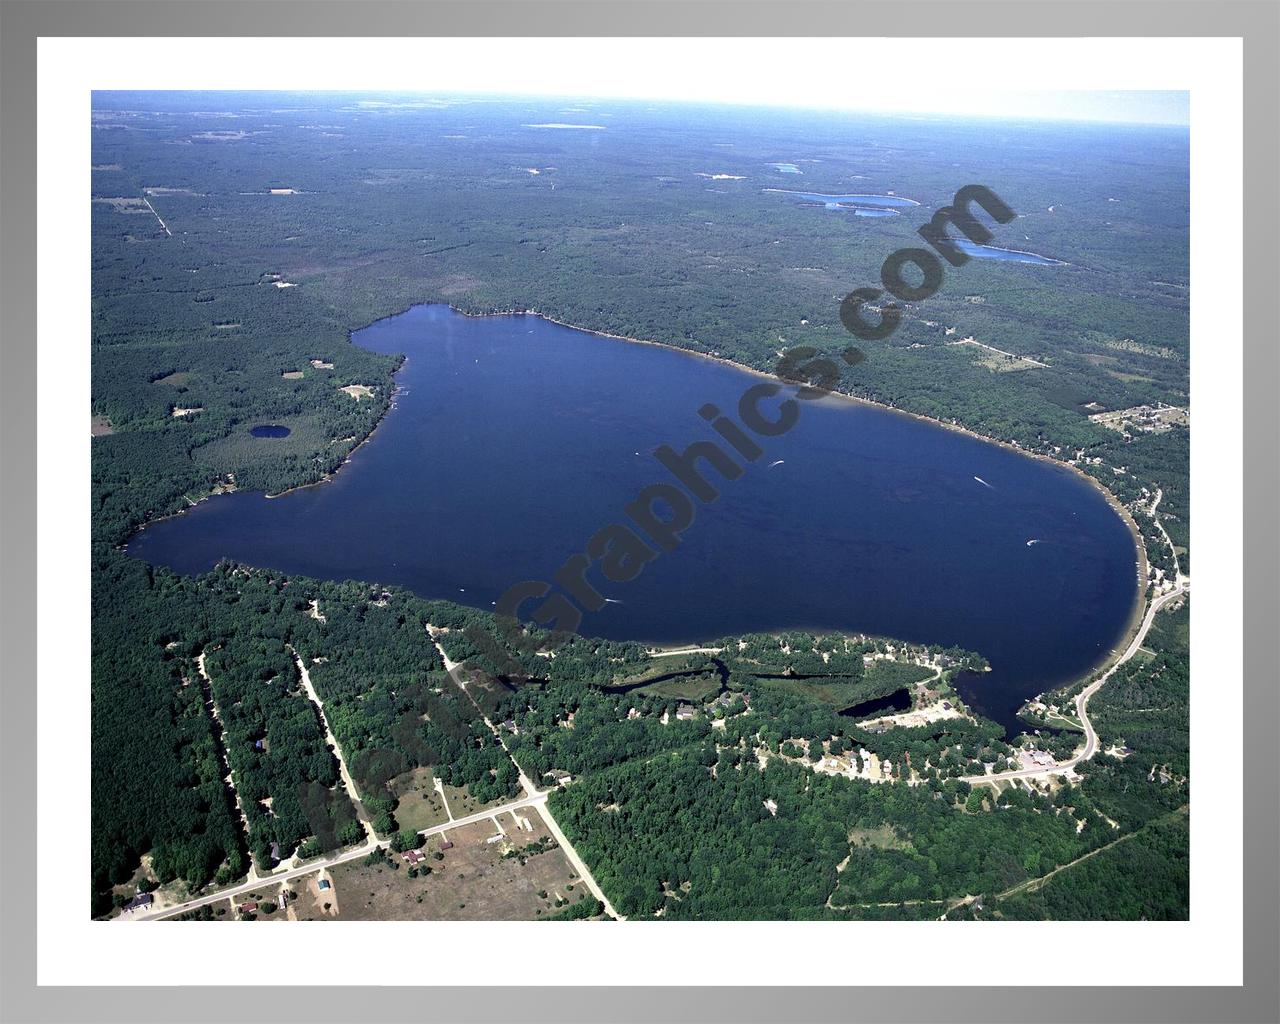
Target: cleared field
697, 687
522, 876
463, 804
176, 379
420, 804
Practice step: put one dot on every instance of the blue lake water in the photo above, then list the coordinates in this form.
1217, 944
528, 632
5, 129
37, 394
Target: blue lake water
888, 202
269, 430
514, 439
855, 204
992, 252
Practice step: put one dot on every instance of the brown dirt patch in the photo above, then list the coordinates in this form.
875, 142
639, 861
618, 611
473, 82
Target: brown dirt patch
475, 881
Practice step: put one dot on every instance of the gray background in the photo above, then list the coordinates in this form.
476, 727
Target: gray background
1257, 21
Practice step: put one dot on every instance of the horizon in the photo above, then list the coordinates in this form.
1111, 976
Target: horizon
1144, 108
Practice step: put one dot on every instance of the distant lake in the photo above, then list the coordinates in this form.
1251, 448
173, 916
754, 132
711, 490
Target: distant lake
514, 439
890, 202
269, 430
992, 252
857, 204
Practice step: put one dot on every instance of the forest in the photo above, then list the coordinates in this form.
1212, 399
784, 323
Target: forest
240, 312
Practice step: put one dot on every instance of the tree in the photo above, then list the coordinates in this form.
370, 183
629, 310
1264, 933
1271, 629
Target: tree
351, 833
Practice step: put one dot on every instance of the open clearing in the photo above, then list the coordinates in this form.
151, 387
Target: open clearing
125, 204
177, 379
358, 391
1143, 419
421, 805
100, 426
462, 803
474, 880
998, 360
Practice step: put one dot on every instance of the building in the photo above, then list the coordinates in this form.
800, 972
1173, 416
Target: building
142, 899
248, 908
325, 884
685, 712
413, 856
445, 844
559, 776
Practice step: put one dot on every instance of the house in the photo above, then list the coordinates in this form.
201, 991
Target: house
510, 726
324, 884
445, 844
248, 908
275, 852
259, 745
685, 712
142, 899
413, 856
726, 699
559, 776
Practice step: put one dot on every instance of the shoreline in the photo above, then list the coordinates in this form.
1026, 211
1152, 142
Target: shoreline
1141, 602
387, 409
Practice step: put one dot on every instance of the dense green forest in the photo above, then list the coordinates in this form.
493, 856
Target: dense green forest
218, 305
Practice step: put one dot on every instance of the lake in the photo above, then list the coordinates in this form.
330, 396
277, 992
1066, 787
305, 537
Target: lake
514, 439
856, 204
994, 252
269, 430
888, 202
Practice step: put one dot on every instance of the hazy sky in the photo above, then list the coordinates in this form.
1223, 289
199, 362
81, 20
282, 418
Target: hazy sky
1144, 107
1127, 107
1148, 107
925, 77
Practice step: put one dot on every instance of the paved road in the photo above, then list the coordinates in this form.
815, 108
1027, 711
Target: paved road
354, 853
1082, 700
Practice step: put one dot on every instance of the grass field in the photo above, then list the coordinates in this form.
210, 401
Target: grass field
420, 804
475, 880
